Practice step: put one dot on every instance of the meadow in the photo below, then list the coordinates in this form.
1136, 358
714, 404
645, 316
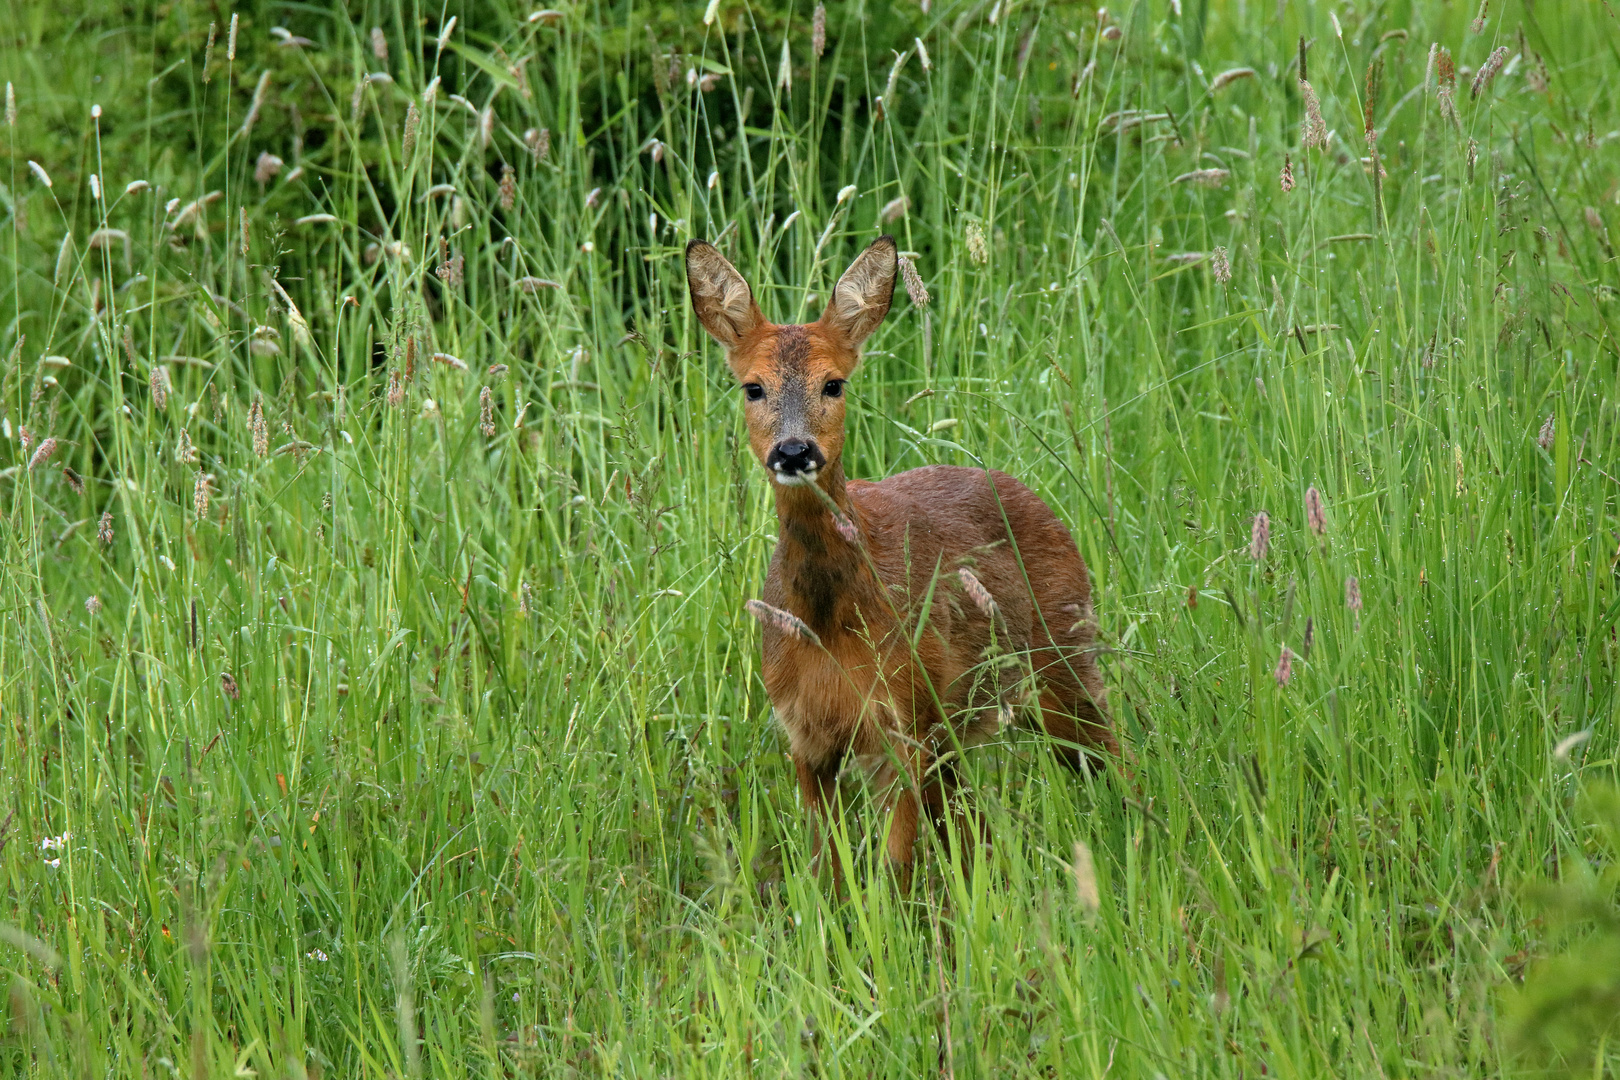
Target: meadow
378, 696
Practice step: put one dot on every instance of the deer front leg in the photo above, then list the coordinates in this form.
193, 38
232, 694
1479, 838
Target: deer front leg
818, 787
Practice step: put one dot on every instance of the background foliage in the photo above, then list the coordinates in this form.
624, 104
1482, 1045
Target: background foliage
377, 694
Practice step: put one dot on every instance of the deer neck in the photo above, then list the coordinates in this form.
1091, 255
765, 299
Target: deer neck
824, 575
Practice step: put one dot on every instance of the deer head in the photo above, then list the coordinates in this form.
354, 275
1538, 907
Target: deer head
792, 377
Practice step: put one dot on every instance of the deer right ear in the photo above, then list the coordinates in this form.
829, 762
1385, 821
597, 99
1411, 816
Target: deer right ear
723, 302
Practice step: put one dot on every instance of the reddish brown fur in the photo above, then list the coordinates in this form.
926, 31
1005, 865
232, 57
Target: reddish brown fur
864, 692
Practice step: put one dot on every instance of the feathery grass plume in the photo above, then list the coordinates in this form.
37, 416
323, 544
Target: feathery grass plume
255, 105
227, 685
1284, 673
413, 120
1478, 25
1220, 265
39, 172
977, 251
1287, 178
1315, 516
92, 604
922, 55
783, 622
508, 188
159, 382
184, 452
259, 430
1085, 880
1488, 71
538, 140
379, 43
1549, 431
1227, 78
894, 208
486, 412
396, 389
1445, 85
230, 40
208, 53
913, 282
1210, 178
104, 531
976, 592
1260, 536
11, 105
47, 447
199, 495
818, 31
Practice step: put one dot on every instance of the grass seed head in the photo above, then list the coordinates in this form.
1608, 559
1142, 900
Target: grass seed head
199, 495
538, 140
783, 622
11, 105
977, 251
227, 685
230, 40
508, 188
977, 593
379, 43
266, 168
160, 387
47, 447
1260, 536
1287, 178
1352, 594
104, 531
184, 452
39, 172
1549, 431
486, 412
1313, 130
1284, 672
1220, 265
818, 31
1315, 517
92, 604
893, 209
1227, 78
913, 282
259, 429
396, 389
1488, 71
413, 120
1478, 25
208, 52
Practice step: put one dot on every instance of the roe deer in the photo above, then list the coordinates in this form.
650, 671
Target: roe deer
861, 564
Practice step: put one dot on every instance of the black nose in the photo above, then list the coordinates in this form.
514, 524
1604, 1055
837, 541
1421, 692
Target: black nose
794, 456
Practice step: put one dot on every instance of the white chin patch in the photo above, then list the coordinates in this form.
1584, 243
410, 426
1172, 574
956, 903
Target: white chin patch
798, 479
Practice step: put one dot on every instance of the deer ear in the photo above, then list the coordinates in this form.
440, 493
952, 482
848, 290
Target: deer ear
861, 298
723, 302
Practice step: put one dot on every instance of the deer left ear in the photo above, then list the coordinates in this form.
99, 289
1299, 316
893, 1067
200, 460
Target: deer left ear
862, 296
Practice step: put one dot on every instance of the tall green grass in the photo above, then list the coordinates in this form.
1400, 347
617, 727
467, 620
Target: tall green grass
434, 743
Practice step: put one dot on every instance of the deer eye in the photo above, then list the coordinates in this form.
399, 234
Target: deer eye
834, 388
753, 391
